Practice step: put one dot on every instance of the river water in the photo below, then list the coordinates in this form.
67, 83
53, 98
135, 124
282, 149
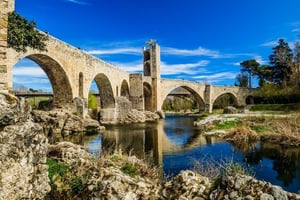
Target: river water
175, 144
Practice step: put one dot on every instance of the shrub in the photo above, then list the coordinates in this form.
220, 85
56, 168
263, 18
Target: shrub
77, 185
56, 169
130, 169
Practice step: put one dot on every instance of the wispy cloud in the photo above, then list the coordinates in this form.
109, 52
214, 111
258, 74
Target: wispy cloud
295, 26
200, 51
216, 77
81, 2
184, 68
270, 43
29, 71
128, 50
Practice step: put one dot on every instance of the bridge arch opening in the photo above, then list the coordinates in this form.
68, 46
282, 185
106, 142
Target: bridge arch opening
147, 96
125, 89
106, 95
249, 100
183, 99
224, 100
52, 78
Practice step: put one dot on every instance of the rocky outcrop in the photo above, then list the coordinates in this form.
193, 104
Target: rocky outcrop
59, 124
101, 178
23, 150
119, 177
229, 110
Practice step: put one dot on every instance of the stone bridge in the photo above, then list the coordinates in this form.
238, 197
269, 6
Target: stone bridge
71, 72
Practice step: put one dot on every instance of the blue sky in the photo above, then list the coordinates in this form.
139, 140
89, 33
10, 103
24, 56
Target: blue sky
201, 40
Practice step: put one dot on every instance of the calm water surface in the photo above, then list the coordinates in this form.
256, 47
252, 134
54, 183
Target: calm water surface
175, 144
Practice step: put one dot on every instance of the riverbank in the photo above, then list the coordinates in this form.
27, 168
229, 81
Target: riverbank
275, 127
75, 174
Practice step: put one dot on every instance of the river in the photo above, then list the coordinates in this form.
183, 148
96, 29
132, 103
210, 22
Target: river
175, 144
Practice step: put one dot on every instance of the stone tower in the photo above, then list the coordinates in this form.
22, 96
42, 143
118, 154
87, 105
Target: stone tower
151, 65
6, 6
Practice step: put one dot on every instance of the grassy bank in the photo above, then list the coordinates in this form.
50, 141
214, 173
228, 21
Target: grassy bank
276, 107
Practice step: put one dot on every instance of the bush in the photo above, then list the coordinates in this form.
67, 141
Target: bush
56, 169
77, 186
130, 169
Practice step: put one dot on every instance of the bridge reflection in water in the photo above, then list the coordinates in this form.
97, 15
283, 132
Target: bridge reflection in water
175, 143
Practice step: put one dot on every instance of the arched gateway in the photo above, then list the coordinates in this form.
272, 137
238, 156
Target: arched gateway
71, 72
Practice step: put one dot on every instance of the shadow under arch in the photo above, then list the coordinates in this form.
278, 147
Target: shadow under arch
104, 86
62, 90
225, 99
198, 98
125, 89
147, 96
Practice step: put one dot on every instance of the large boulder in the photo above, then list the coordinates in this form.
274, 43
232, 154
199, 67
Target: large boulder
230, 110
23, 150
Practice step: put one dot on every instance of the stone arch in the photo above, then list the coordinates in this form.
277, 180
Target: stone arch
125, 89
62, 90
104, 86
249, 100
197, 97
147, 69
231, 95
80, 85
147, 96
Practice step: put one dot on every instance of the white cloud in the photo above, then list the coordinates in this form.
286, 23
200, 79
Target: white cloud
200, 51
166, 69
270, 43
28, 71
217, 77
185, 68
131, 67
130, 51
78, 2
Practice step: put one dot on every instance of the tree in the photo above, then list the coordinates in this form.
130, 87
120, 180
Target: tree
250, 67
23, 34
282, 61
241, 80
296, 76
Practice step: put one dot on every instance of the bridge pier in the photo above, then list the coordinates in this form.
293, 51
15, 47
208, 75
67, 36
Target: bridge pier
6, 7
136, 91
208, 98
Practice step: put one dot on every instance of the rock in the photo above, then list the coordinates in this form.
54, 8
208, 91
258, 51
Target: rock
23, 150
230, 110
59, 124
13, 110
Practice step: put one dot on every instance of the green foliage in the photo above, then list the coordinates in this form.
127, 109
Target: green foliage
275, 107
227, 125
56, 169
241, 80
250, 68
23, 34
77, 185
130, 169
92, 102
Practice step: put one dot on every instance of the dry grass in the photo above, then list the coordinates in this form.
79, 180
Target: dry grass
284, 130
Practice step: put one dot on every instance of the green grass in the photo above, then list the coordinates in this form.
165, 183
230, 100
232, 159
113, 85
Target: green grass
261, 129
227, 125
275, 107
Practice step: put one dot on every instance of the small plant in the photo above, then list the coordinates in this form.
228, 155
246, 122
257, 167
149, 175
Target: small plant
225, 125
56, 169
77, 185
130, 169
